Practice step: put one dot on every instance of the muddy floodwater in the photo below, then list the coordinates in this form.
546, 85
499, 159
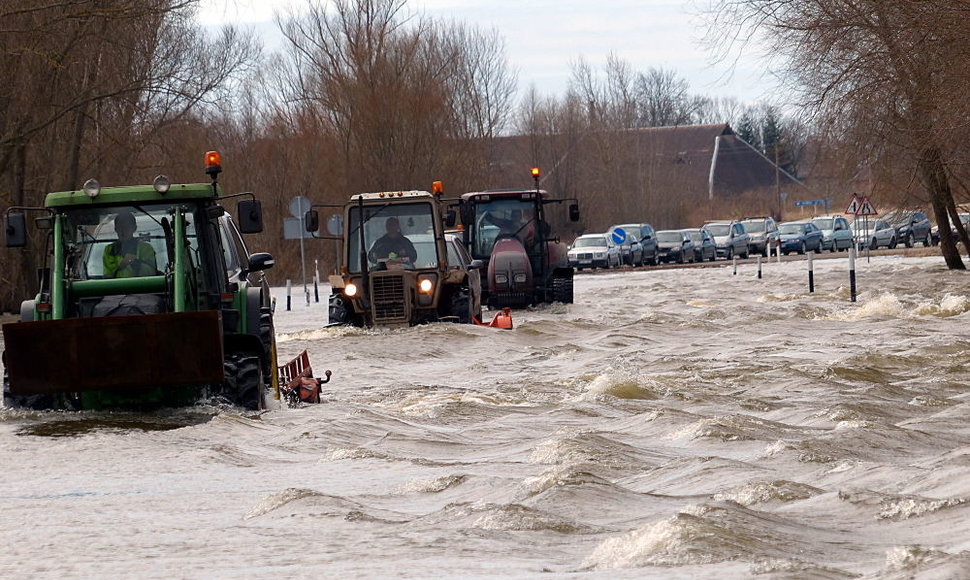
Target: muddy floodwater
685, 423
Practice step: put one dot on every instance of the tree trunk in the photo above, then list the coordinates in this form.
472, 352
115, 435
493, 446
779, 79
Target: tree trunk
933, 174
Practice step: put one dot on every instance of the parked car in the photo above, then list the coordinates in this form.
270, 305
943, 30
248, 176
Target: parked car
628, 242
648, 240
799, 237
730, 238
674, 246
594, 251
874, 233
762, 231
836, 232
704, 246
964, 218
911, 227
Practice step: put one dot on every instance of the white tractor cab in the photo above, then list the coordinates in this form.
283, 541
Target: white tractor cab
395, 266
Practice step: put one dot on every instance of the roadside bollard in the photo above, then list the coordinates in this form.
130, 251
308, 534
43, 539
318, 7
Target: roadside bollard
811, 273
735, 260
289, 295
759, 267
852, 272
316, 281
778, 252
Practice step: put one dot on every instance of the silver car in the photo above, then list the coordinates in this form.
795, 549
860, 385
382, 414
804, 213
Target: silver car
836, 232
874, 234
730, 238
594, 251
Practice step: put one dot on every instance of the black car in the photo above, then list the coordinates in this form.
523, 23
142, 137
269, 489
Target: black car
911, 227
704, 246
648, 239
674, 246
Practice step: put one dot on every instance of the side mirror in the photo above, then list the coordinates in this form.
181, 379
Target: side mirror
476, 265
250, 213
260, 261
467, 210
335, 225
451, 218
15, 230
311, 221
574, 212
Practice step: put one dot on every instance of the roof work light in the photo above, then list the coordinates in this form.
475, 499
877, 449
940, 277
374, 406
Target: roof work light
213, 163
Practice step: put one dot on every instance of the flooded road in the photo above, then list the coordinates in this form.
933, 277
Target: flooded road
671, 424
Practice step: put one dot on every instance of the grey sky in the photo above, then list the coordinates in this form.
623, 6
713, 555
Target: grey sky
544, 37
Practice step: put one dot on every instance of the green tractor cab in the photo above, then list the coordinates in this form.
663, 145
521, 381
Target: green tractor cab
148, 297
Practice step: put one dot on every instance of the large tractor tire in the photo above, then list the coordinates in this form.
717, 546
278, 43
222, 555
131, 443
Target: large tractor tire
243, 384
267, 336
340, 312
562, 289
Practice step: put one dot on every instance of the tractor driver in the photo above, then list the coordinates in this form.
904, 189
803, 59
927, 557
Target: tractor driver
128, 257
393, 245
519, 225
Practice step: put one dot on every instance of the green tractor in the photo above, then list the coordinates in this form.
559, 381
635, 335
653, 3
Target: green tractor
148, 298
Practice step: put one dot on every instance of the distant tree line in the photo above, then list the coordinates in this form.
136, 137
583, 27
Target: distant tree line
368, 95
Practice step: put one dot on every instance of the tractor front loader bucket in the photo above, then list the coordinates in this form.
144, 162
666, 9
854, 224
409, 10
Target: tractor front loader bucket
114, 353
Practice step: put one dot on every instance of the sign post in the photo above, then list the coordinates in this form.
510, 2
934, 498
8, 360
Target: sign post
861, 206
299, 205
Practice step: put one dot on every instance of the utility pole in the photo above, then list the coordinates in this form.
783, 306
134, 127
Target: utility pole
778, 181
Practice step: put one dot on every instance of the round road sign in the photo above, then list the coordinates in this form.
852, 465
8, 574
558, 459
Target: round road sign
299, 205
618, 235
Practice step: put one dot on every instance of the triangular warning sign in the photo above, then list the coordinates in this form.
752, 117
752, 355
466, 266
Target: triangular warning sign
853, 208
866, 208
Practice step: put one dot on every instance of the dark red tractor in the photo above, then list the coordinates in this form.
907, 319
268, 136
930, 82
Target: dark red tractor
526, 262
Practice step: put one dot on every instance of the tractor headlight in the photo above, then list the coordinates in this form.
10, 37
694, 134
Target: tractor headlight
92, 188
519, 278
426, 284
350, 290
161, 184
501, 279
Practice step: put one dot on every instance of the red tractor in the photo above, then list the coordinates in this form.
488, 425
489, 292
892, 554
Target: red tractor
526, 262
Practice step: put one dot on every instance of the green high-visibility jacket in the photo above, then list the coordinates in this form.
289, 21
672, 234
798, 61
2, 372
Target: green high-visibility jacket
143, 265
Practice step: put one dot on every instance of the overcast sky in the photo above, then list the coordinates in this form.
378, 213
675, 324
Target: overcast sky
543, 38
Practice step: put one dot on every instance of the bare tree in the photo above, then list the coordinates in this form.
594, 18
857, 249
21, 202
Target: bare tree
883, 71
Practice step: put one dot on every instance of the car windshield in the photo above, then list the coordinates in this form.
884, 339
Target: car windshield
509, 217
791, 228
823, 223
594, 242
669, 237
696, 236
719, 229
91, 232
383, 227
754, 227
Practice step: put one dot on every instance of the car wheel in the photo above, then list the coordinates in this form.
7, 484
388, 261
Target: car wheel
729, 253
928, 241
801, 248
910, 240
892, 243
874, 245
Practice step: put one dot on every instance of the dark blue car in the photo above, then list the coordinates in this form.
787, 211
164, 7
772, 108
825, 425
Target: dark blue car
799, 237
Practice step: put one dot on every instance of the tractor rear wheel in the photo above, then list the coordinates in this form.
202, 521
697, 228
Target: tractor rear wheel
562, 289
243, 384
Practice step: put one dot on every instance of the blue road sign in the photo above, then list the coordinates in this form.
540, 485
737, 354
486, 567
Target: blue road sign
618, 235
811, 202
